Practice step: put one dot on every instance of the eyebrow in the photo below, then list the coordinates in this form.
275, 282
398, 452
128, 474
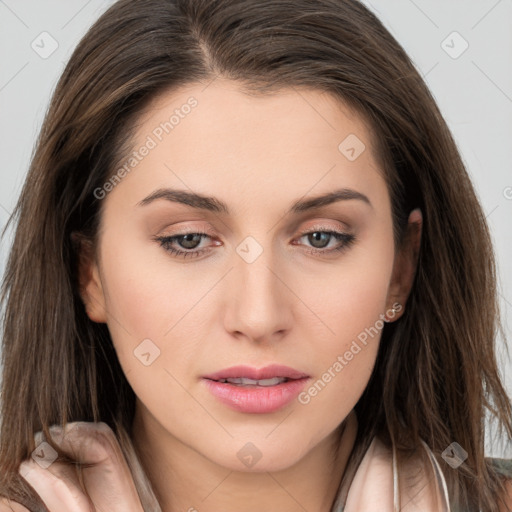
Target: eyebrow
215, 205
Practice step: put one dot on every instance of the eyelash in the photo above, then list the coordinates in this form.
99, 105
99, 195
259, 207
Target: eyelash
166, 241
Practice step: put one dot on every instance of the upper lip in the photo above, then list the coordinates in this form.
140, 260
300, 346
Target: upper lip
268, 372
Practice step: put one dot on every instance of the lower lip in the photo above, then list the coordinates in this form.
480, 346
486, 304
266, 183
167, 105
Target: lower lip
256, 399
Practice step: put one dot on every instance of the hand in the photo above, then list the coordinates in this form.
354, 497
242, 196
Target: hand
11, 506
106, 487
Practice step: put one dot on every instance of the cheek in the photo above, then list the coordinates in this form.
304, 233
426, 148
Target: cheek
350, 313
148, 305
351, 296
153, 326
344, 359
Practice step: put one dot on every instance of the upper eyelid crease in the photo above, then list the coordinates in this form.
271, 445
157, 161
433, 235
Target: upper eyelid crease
215, 205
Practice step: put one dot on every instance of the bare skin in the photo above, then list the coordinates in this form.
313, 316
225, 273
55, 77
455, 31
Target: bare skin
290, 306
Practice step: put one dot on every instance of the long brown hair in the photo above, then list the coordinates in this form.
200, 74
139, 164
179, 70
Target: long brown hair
436, 375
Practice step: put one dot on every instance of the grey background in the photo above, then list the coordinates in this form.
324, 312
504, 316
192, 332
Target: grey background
473, 90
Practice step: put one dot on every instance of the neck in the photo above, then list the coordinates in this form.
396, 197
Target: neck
185, 480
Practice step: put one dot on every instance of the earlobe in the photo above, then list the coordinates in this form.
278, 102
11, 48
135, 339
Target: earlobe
406, 261
89, 281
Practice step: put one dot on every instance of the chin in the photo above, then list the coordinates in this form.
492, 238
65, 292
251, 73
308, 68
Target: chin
259, 456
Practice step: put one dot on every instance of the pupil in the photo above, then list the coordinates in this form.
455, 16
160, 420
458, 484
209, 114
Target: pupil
189, 239
317, 236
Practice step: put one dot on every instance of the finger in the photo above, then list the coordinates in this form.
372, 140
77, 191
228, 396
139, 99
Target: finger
46, 456
57, 494
7, 505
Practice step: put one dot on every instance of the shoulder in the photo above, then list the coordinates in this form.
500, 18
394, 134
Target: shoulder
421, 482
7, 505
504, 468
380, 476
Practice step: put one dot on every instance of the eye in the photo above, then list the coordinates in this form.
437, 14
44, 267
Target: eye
320, 239
188, 241
185, 244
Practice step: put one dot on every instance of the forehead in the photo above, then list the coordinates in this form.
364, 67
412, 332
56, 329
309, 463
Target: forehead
216, 137
221, 106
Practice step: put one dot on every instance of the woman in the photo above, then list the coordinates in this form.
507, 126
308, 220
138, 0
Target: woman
249, 273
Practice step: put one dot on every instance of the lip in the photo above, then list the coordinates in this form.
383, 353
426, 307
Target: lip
268, 372
257, 399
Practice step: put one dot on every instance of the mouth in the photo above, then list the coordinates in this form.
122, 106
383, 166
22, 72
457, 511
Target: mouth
252, 390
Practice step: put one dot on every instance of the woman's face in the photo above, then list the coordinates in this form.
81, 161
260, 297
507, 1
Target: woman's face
256, 290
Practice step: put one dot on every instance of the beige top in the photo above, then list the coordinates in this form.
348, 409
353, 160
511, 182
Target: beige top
375, 484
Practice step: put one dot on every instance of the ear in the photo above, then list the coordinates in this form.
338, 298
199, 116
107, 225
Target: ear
404, 267
89, 281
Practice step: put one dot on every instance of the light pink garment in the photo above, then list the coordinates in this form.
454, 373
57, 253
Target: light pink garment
377, 486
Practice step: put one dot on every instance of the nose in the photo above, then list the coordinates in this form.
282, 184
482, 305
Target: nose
259, 303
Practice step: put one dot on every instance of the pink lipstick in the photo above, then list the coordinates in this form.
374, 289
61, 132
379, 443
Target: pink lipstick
257, 391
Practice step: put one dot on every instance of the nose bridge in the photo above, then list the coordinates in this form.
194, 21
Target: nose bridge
258, 299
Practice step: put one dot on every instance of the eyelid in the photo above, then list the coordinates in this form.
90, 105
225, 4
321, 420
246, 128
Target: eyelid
212, 233
325, 227
190, 230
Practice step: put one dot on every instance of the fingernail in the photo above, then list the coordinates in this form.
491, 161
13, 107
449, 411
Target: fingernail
57, 433
38, 437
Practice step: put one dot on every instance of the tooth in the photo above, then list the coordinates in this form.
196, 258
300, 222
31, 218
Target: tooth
243, 381
271, 382
250, 382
